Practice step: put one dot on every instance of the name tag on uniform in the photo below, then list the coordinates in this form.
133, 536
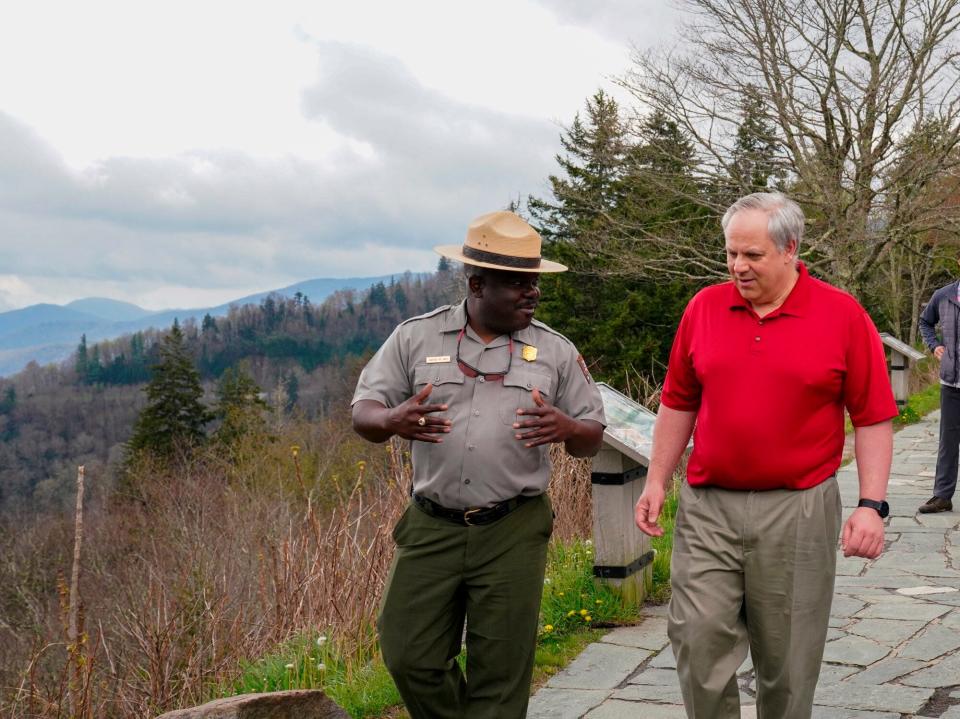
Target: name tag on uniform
439, 359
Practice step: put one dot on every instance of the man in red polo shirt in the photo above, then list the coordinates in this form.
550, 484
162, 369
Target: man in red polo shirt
761, 370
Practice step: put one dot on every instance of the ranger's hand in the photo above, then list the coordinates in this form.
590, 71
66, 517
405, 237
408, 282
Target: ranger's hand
413, 420
546, 425
938, 352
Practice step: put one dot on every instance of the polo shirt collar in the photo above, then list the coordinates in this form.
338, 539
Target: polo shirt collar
797, 303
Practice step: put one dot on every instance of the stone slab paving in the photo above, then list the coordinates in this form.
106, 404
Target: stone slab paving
894, 645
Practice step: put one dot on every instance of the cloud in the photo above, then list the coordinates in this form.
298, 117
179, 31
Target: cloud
443, 159
640, 23
12, 290
412, 168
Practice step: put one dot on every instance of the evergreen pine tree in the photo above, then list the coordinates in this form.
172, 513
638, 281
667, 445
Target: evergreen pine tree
81, 363
9, 400
174, 415
209, 324
756, 150
239, 406
292, 385
593, 168
623, 324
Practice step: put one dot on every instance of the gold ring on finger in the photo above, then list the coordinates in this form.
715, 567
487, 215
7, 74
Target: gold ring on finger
422, 421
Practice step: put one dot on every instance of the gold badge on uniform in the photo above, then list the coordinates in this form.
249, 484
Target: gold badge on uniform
529, 353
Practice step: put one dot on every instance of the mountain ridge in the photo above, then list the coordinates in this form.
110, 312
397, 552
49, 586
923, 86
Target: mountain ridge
48, 332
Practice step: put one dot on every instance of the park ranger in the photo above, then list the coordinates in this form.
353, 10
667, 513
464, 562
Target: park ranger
481, 389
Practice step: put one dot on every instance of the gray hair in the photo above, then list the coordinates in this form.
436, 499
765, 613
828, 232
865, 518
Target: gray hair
785, 218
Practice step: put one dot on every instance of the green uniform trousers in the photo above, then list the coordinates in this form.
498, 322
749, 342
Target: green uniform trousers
753, 567
444, 574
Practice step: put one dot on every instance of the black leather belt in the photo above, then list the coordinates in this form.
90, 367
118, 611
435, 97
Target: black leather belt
471, 517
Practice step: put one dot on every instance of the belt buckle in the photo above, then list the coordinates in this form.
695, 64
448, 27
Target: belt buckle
467, 513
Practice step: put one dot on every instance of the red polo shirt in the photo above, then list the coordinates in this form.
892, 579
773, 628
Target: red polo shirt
769, 393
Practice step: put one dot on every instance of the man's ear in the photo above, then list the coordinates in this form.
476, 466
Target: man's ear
791, 251
475, 284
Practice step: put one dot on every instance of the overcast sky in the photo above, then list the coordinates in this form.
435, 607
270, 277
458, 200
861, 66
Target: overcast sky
183, 154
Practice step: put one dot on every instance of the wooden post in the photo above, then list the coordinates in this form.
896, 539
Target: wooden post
901, 354
622, 554
899, 377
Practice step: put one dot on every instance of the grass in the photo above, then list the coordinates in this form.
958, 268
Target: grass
575, 610
361, 685
574, 606
919, 404
663, 546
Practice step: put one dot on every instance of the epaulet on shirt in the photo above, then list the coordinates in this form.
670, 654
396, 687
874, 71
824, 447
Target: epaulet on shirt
427, 315
539, 325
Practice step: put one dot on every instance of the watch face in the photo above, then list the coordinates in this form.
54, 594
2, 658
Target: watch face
884, 510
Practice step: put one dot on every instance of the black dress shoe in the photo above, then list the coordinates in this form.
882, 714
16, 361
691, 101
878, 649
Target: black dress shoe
936, 504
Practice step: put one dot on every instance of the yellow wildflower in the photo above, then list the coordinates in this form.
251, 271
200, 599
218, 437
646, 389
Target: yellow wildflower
583, 612
588, 618
548, 628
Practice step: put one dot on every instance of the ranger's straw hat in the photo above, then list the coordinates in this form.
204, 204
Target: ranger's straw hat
501, 241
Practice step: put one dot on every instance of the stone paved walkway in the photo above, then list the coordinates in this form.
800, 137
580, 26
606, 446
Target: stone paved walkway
893, 650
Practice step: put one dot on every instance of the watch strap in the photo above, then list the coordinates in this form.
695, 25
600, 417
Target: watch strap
881, 507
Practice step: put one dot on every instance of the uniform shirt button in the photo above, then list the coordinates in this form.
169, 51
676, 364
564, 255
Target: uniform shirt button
757, 338
760, 322
481, 378
529, 385
476, 413
471, 447
466, 481
437, 378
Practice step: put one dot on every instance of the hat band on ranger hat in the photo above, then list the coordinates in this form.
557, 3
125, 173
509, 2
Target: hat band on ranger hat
495, 258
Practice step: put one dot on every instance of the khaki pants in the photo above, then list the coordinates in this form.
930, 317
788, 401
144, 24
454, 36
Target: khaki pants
753, 567
492, 577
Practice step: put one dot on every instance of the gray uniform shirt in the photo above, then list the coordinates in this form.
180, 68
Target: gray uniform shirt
479, 462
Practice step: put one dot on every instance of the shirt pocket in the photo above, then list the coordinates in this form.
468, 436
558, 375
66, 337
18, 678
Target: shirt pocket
518, 388
447, 380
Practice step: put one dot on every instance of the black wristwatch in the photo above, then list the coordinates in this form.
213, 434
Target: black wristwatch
883, 509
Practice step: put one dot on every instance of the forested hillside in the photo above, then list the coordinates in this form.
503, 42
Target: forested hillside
305, 357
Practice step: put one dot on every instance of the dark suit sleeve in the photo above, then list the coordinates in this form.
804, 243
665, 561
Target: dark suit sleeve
929, 319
